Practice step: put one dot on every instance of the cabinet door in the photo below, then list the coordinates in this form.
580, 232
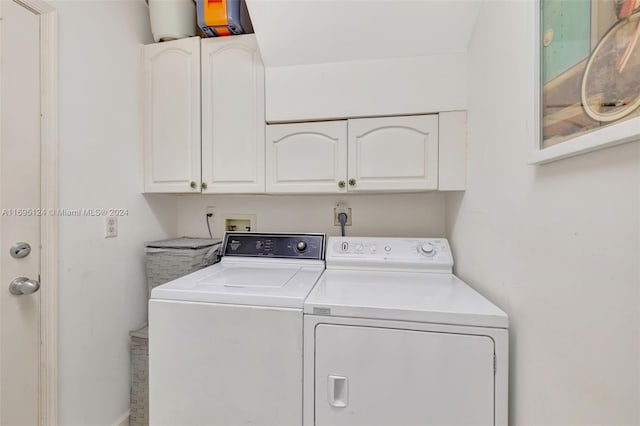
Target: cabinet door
307, 157
232, 115
380, 377
393, 153
172, 116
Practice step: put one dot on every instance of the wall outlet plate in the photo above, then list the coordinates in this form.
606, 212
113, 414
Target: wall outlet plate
337, 210
110, 226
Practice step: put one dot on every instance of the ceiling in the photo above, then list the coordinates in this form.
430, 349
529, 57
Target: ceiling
301, 32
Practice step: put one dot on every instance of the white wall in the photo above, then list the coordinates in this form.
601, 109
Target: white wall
393, 86
556, 246
102, 285
373, 215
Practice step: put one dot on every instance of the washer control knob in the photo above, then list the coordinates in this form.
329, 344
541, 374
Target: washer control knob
301, 245
387, 248
427, 249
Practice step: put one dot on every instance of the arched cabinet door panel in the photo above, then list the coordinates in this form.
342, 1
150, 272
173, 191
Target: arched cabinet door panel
233, 127
172, 116
393, 153
307, 157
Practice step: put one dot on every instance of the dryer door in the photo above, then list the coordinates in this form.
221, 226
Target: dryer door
380, 377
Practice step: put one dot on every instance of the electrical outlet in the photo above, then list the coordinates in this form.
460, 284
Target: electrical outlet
341, 208
110, 226
210, 210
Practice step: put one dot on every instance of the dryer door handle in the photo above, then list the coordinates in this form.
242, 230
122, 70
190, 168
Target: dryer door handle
338, 391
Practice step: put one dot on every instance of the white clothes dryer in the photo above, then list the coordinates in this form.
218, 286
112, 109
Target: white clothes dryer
393, 338
225, 342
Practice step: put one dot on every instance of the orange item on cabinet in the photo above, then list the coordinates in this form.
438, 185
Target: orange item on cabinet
215, 13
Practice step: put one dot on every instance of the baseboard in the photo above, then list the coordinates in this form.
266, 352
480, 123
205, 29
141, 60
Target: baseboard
123, 420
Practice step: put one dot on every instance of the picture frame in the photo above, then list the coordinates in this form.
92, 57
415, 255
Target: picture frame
561, 121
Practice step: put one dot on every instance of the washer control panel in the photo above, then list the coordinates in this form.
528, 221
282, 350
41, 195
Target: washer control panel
288, 246
416, 254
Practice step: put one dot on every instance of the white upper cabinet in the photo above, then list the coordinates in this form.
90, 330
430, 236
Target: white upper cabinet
205, 132
227, 76
172, 116
233, 126
356, 155
307, 157
393, 153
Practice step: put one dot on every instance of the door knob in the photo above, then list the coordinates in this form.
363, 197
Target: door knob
23, 285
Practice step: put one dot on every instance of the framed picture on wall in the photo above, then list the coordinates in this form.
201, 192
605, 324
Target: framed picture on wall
588, 96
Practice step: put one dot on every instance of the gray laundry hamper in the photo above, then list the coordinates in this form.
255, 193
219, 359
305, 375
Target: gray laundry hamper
171, 259
139, 410
166, 260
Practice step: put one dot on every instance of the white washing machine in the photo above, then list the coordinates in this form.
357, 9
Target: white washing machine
393, 338
225, 342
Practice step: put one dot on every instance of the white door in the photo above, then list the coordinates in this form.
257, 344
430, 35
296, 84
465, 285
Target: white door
393, 153
232, 115
19, 222
307, 157
367, 376
172, 116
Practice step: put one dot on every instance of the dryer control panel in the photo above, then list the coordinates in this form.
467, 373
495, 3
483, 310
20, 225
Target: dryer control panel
390, 254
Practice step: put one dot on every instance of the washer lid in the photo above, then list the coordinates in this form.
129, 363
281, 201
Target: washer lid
403, 296
246, 281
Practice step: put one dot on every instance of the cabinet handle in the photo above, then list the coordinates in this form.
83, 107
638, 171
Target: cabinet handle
341, 184
193, 185
204, 185
352, 182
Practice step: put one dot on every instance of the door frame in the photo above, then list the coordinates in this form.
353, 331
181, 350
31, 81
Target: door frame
48, 370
